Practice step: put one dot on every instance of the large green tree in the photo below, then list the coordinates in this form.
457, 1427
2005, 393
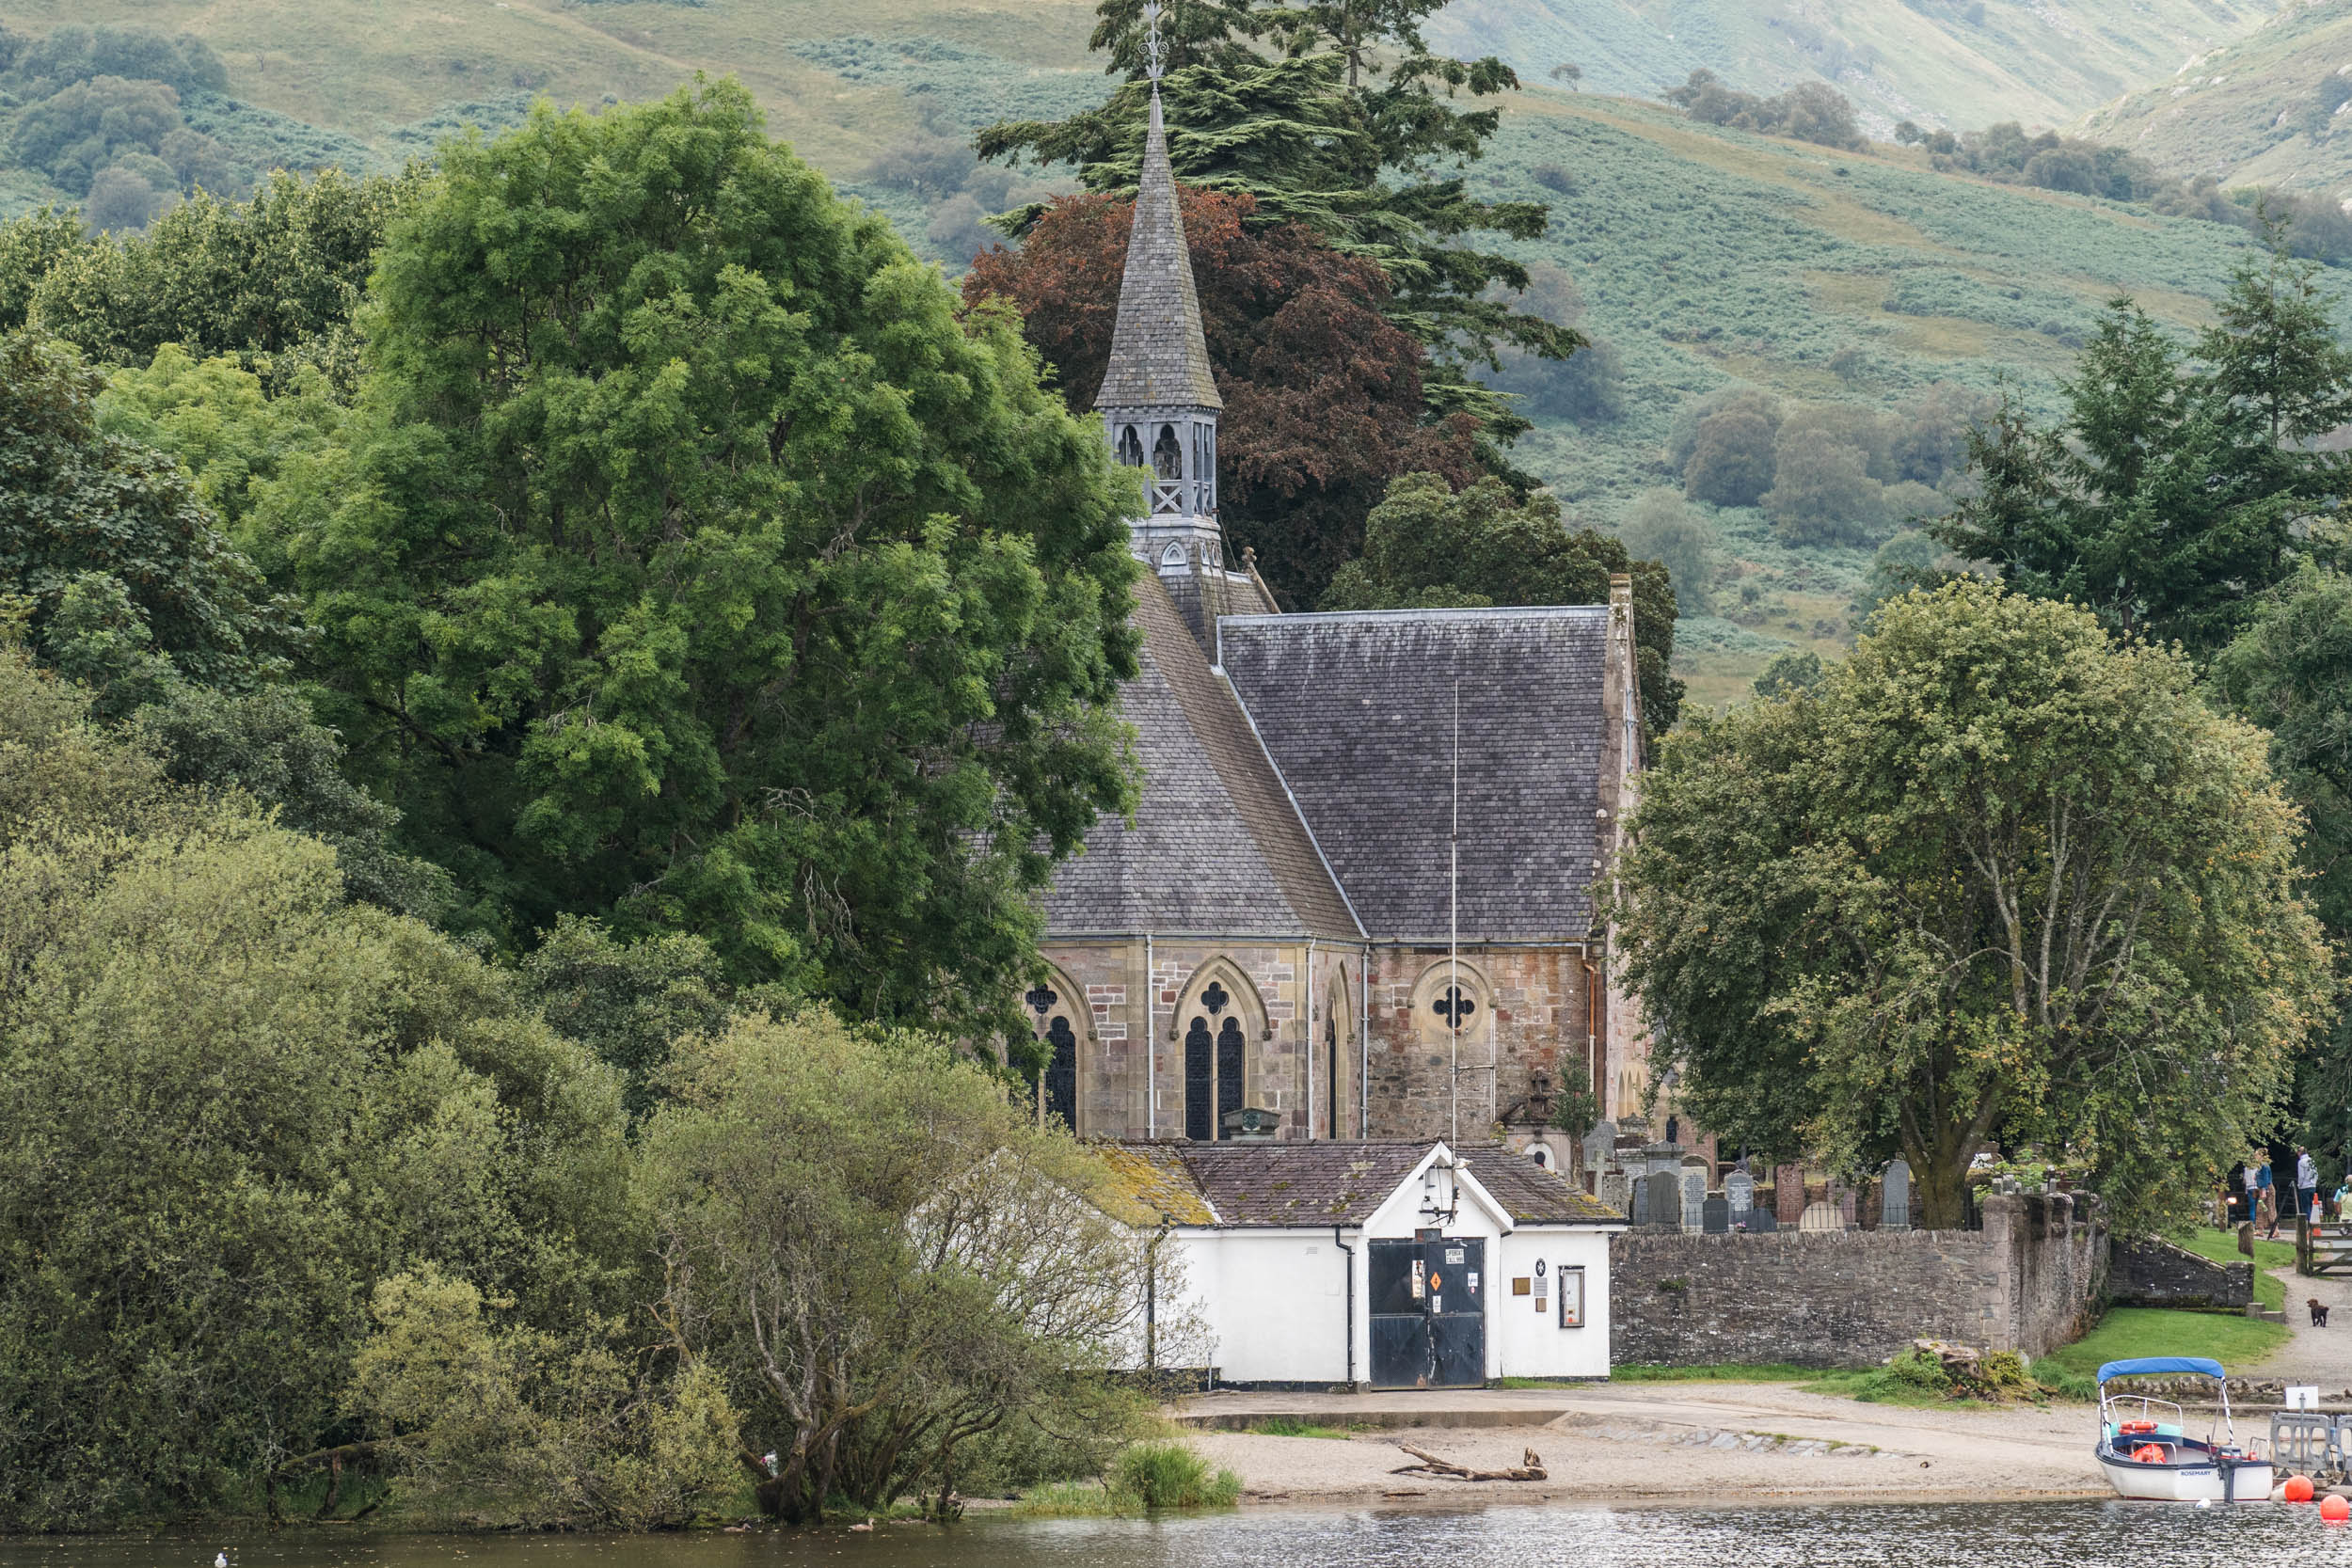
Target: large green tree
2290, 672
229, 1101
1997, 878
1340, 117
694, 563
2177, 487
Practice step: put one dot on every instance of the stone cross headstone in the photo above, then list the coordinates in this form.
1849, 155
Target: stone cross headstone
1694, 1196
1895, 1197
1789, 1192
1820, 1216
1601, 1143
1762, 1222
1739, 1194
1715, 1216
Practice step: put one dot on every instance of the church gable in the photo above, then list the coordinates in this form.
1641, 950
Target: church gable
1215, 846
1357, 712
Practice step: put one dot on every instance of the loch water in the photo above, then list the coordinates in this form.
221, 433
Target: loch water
1922, 1535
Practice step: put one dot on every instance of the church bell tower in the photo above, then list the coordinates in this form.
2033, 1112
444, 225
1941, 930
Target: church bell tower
1159, 403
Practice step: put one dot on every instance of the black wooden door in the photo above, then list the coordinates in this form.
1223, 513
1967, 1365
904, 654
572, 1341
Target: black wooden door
1457, 1314
1200, 1108
1428, 1313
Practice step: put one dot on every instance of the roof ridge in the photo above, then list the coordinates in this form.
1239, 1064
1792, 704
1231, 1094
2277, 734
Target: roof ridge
1159, 354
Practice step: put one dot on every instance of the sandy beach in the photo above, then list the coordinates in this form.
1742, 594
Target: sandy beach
1653, 1442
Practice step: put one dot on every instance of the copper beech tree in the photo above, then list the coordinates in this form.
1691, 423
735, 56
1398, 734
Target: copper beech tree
1322, 394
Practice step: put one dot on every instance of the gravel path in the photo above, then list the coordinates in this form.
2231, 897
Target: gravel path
2320, 1356
1662, 1441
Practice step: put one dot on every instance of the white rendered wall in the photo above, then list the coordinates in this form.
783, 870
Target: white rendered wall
1522, 1342
1275, 1303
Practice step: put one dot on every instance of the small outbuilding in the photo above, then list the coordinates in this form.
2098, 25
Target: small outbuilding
1378, 1264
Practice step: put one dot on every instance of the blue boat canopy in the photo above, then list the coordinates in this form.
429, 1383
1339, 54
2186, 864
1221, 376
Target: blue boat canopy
2159, 1364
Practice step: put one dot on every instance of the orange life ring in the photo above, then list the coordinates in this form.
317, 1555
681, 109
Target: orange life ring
2130, 1427
2148, 1453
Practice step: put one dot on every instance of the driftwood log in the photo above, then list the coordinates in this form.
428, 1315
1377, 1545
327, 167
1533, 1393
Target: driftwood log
1531, 1467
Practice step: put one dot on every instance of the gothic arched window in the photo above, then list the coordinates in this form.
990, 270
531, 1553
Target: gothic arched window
1130, 447
1229, 1057
1061, 1073
1168, 457
1199, 1081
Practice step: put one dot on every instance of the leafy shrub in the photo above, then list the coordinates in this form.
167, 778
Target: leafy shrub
1798, 670
69, 54
1169, 1474
1917, 1369
1810, 111
1661, 527
1733, 459
1823, 492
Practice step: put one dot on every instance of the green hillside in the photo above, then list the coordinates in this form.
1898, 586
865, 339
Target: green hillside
1954, 63
1700, 258
2267, 110
1709, 257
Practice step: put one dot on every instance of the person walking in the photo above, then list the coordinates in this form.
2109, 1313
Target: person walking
2306, 1184
2266, 1200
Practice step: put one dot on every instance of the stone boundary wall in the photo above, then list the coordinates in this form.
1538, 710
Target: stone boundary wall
2029, 1281
2149, 1271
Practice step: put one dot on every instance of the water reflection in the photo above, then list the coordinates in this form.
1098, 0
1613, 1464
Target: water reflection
1948, 1535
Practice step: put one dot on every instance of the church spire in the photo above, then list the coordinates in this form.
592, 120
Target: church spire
1159, 403
1158, 353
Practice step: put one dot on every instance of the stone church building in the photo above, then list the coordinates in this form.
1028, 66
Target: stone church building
1293, 938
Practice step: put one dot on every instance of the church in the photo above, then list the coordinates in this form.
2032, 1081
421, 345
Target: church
1365, 894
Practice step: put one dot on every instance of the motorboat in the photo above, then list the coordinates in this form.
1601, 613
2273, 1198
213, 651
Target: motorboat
2145, 1449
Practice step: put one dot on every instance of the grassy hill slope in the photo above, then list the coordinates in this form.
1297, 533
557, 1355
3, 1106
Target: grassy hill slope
2258, 111
1709, 257
1956, 63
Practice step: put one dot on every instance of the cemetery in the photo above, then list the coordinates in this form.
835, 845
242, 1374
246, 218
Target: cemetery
1828, 1273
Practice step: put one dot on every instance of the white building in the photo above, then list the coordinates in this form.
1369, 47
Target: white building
1378, 1264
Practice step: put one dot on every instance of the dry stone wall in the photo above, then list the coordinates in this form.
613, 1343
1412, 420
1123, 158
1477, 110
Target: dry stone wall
2029, 1281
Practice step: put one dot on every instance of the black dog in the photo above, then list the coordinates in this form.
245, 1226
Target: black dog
2319, 1312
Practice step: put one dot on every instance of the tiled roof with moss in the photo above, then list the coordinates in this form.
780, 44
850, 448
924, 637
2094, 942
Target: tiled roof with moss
1322, 1183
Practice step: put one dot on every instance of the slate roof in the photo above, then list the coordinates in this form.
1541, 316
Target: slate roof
1356, 711
1326, 1183
1159, 355
1217, 846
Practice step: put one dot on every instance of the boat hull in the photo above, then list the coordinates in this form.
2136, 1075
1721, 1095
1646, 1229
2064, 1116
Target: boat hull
2198, 1480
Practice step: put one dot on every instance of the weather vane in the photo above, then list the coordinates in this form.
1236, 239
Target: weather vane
1155, 51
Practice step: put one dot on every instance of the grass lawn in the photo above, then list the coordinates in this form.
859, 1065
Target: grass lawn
2221, 1247
2135, 1331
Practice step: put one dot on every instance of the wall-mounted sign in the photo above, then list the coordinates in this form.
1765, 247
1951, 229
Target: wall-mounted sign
1571, 1282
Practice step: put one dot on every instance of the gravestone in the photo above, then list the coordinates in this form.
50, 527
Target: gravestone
1842, 1197
1694, 1196
1715, 1216
1762, 1222
1601, 1143
1637, 1200
1820, 1216
1789, 1192
1895, 1197
1740, 1193
1616, 1191
1665, 1203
